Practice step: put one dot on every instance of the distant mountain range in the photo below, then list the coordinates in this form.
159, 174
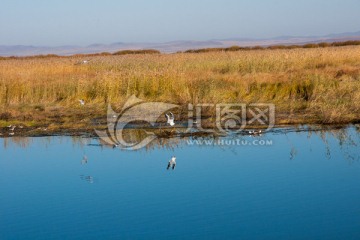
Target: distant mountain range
174, 46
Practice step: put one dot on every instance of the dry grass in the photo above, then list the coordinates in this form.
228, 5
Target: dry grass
307, 85
274, 47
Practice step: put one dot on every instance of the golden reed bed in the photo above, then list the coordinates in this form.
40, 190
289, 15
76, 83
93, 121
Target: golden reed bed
320, 85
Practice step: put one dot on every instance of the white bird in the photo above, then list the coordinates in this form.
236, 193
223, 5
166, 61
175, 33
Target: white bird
11, 134
82, 102
12, 128
254, 132
170, 119
82, 62
172, 163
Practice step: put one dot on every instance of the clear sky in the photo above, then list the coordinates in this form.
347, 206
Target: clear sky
83, 22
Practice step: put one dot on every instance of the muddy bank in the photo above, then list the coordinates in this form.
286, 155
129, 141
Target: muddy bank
161, 130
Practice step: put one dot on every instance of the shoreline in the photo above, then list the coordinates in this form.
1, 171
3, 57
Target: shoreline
165, 132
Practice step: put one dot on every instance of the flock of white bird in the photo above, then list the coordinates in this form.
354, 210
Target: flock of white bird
12, 129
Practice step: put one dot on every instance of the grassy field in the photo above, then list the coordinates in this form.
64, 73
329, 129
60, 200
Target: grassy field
314, 85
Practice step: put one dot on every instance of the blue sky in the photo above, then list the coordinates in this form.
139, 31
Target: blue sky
83, 22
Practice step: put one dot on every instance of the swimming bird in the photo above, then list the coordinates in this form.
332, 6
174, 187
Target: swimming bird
172, 163
82, 102
170, 118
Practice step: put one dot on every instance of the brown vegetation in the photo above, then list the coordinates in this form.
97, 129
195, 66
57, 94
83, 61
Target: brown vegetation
308, 85
276, 47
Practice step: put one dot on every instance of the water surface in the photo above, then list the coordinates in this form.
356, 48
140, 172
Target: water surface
302, 185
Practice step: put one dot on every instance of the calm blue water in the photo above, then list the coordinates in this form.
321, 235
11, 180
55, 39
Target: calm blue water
303, 186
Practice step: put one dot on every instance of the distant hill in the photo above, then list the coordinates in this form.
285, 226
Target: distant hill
174, 46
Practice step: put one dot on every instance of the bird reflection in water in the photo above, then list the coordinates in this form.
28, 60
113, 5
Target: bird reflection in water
171, 163
89, 179
84, 160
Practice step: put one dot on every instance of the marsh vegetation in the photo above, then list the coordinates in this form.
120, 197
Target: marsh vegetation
307, 85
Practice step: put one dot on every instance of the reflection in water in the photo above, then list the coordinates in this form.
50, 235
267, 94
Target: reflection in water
244, 190
89, 179
84, 160
348, 138
293, 153
172, 163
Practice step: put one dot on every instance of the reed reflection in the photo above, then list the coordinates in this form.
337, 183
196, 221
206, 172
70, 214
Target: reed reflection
347, 139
